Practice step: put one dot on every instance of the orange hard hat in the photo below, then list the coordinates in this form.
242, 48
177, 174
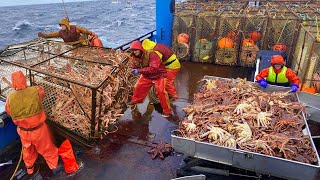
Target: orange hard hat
183, 38
280, 47
247, 42
136, 45
225, 43
277, 59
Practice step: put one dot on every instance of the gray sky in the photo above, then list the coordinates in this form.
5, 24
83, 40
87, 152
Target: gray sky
26, 2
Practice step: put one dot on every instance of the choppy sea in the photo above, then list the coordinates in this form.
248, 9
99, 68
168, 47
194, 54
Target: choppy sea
115, 21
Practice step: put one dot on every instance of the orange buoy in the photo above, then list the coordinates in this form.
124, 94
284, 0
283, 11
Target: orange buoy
307, 89
183, 38
280, 47
225, 43
255, 36
247, 42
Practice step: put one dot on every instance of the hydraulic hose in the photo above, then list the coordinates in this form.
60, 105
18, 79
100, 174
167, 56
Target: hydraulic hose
15, 171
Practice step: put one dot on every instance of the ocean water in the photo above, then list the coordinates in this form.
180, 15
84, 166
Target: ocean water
115, 21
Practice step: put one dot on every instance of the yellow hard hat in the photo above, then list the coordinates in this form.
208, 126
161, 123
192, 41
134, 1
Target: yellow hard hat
147, 44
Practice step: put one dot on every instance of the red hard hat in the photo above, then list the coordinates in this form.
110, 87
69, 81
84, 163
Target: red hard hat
136, 45
277, 59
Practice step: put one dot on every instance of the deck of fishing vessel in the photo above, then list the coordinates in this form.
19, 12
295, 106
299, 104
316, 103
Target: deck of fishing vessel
123, 155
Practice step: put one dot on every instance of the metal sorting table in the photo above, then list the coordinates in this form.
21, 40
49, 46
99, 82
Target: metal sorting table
243, 159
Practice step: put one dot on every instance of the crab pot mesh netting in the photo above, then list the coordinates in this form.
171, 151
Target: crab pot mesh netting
282, 31
183, 22
86, 88
229, 27
306, 60
5, 72
67, 104
254, 28
205, 40
25, 56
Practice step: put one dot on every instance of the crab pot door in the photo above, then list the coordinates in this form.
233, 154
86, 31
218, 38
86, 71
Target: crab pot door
205, 37
282, 31
229, 27
183, 22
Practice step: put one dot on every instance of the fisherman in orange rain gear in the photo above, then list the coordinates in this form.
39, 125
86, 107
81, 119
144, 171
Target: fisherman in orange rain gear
94, 41
68, 33
153, 72
171, 62
278, 74
24, 107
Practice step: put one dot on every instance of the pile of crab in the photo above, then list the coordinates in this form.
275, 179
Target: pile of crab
71, 105
237, 114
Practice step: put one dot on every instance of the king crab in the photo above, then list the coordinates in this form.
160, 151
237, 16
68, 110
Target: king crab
161, 150
263, 119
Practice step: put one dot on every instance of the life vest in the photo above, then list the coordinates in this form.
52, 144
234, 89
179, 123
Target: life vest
172, 62
278, 79
24, 103
145, 59
70, 36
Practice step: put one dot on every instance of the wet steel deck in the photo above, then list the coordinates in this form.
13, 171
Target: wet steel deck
123, 155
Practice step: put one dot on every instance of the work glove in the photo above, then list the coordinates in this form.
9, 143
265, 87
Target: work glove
40, 34
294, 88
263, 83
135, 71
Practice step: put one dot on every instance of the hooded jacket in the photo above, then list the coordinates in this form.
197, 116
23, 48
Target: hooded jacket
150, 64
72, 34
168, 57
24, 103
289, 74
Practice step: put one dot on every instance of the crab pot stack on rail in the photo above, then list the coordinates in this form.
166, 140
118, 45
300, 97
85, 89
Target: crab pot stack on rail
237, 114
86, 89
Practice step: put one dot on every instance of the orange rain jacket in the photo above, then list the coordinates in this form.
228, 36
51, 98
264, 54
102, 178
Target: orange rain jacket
24, 107
292, 77
69, 36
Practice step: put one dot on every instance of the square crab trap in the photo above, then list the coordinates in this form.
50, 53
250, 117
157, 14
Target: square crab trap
253, 32
306, 62
281, 32
86, 90
205, 40
228, 34
183, 33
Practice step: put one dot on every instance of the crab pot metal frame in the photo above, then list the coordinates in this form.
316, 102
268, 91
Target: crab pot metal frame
205, 38
229, 25
184, 22
254, 22
48, 73
306, 57
278, 23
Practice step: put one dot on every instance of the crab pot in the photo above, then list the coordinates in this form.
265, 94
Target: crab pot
254, 28
205, 39
84, 93
282, 29
229, 27
306, 59
183, 22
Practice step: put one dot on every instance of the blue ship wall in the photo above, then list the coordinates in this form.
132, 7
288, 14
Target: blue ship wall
164, 18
